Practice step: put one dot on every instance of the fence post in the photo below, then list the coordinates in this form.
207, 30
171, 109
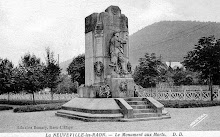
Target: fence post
184, 94
218, 94
151, 92
201, 93
170, 92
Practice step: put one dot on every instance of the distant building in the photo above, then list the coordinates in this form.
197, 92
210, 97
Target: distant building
45, 91
174, 65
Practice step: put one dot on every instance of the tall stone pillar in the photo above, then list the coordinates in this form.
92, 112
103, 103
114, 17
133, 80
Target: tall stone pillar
107, 67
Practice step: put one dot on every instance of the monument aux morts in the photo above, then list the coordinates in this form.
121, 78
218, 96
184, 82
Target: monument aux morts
109, 90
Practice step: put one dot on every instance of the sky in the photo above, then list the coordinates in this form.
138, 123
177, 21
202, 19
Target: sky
29, 26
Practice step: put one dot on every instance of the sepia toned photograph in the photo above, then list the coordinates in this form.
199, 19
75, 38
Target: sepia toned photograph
120, 68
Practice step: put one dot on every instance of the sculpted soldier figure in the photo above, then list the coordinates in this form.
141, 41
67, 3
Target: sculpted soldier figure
117, 44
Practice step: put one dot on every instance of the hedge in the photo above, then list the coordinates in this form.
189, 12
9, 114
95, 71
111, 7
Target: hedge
188, 103
30, 102
42, 107
5, 108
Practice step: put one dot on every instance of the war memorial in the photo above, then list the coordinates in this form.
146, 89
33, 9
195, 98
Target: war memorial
109, 93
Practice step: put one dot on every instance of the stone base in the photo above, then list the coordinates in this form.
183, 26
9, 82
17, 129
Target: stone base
113, 109
88, 91
121, 87
91, 109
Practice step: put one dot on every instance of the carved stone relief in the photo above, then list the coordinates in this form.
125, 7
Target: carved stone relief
98, 68
104, 91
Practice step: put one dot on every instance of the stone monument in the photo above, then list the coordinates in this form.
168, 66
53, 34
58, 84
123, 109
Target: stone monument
108, 80
107, 56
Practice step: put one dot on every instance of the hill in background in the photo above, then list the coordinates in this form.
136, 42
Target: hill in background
170, 39
64, 65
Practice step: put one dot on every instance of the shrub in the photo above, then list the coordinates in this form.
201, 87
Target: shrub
30, 102
188, 103
5, 108
42, 107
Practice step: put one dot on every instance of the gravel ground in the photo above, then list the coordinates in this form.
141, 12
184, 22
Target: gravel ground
46, 121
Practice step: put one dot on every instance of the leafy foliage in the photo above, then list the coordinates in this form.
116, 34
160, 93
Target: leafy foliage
42, 107
30, 70
181, 76
66, 85
6, 76
5, 108
149, 71
205, 59
77, 69
17, 77
30, 102
188, 103
51, 72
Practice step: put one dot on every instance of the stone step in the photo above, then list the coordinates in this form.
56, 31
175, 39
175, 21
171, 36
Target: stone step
87, 119
141, 106
92, 111
135, 99
165, 112
144, 111
89, 115
144, 119
112, 120
145, 115
137, 102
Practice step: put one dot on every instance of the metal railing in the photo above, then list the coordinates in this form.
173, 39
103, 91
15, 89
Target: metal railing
181, 93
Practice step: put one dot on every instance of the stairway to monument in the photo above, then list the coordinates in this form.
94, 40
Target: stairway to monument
145, 109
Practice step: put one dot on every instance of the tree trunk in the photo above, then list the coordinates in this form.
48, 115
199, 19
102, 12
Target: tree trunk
8, 96
210, 87
33, 98
51, 92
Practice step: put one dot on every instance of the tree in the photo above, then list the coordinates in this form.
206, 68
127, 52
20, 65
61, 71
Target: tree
205, 59
6, 76
149, 71
17, 80
66, 85
77, 69
51, 72
182, 77
31, 71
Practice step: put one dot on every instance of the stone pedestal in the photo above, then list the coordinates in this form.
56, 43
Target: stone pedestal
119, 88
122, 87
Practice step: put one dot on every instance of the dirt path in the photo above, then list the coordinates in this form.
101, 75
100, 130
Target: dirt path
47, 121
